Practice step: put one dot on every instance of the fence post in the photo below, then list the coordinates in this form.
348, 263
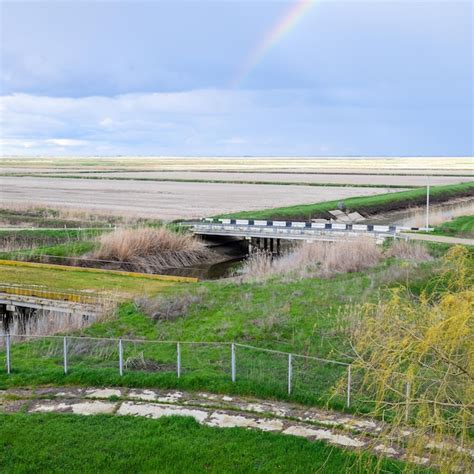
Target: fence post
407, 403
120, 348
232, 361
65, 353
7, 343
290, 373
349, 381
178, 361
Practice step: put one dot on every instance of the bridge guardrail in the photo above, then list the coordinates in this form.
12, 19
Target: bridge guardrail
329, 226
50, 295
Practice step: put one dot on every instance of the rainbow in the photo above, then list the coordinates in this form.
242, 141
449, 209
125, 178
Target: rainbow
281, 27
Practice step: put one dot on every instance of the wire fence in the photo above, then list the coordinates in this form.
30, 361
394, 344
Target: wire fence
274, 371
269, 372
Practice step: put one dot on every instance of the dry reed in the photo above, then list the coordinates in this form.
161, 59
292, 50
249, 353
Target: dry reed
412, 251
163, 308
150, 249
318, 259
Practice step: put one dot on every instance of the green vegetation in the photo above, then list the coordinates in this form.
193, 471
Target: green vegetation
459, 227
65, 218
50, 278
71, 443
307, 316
72, 249
55, 235
58, 242
364, 205
42, 217
41, 244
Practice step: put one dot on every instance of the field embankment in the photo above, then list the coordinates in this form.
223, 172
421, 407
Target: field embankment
366, 205
460, 227
70, 279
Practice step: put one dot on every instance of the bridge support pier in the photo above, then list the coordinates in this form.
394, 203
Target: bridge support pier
266, 244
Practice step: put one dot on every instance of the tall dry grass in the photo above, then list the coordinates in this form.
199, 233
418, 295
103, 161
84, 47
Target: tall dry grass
165, 308
412, 251
37, 322
73, 214
149, 249
317, 259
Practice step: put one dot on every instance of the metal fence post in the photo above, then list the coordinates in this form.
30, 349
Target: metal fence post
120, 348
290, 373
407, 403
7, 343
232, 361
349, 381
178, 361
65, 353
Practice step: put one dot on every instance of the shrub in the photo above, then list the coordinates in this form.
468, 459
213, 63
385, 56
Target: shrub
413, 357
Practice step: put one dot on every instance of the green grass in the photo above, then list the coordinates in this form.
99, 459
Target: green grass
101, 443
63, 218
458, 227
50, 234
297, 316
80, 281
71, 249
364, 204
47, 218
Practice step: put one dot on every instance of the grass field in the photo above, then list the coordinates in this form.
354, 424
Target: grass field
459, 227
71, 443
303, 316
381, 165
104, 283
364, 205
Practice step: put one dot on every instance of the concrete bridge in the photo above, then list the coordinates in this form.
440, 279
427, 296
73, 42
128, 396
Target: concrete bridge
267, 234
23, 302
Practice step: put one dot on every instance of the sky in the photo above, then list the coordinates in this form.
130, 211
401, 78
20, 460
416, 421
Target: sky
237, 78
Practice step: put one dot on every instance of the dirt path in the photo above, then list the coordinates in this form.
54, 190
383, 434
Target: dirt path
221, 411
438, 238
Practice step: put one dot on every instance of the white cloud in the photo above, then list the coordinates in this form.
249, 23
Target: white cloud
65, 142
224, 122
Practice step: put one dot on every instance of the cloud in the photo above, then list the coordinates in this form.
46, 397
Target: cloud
340, 121
65, 142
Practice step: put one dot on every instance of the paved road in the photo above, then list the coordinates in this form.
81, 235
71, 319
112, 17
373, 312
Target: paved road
438, 238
